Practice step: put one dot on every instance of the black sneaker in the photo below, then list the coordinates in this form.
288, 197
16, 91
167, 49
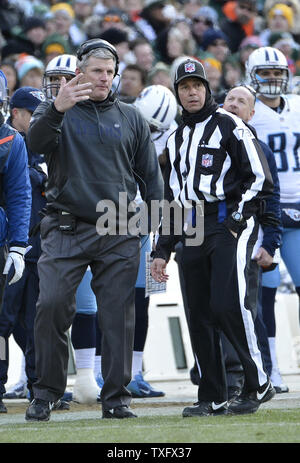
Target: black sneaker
3, 409
233, 393
118, 412
205, 409
61, 405
39, 410
250, 402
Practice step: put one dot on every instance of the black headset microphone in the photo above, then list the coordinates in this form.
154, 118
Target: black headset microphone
93, 44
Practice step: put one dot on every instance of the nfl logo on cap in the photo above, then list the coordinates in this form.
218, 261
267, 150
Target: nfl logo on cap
189, 67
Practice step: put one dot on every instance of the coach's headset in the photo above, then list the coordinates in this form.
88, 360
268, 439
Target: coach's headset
92, 44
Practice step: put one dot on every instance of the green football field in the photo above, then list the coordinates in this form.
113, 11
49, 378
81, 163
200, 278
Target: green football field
265, 426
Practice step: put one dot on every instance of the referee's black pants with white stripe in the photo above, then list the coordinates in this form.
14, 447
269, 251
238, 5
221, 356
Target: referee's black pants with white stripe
220, 298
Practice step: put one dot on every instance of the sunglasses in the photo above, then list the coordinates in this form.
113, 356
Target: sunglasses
249, 8
207, 22
219, 43
114, 19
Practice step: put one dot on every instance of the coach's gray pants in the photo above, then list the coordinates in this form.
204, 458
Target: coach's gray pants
114, 262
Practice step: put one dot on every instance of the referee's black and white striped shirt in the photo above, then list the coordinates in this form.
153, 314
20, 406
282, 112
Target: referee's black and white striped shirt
215, 160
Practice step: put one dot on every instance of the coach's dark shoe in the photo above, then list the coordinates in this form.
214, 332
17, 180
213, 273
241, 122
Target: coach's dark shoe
118, 412
3, 409
39, 410
205, 409
250, 402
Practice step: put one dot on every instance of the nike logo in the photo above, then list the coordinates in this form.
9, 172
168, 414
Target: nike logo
145, 391
261, 396
218, 406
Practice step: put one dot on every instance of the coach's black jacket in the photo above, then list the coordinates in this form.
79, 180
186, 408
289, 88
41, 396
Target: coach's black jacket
94, 151
215, 160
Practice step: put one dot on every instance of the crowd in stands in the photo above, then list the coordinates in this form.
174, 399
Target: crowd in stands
149, 35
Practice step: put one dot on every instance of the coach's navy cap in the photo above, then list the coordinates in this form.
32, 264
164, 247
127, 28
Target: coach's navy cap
27, 97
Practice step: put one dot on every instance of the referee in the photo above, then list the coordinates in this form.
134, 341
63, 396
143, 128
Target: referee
213, 157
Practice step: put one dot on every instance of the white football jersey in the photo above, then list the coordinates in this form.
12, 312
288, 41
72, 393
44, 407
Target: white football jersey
160, 138
281, 132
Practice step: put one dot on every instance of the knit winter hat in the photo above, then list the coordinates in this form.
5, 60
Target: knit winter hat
63, 7
55, 43
283, 10
27, 62
211, 35
32, 23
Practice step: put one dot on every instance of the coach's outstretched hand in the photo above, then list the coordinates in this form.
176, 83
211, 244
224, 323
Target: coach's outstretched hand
71, 93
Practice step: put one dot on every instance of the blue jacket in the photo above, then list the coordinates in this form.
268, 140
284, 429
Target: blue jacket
15, 188
37, 179
272, 235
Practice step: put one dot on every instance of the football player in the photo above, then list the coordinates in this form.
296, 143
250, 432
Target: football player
276, 120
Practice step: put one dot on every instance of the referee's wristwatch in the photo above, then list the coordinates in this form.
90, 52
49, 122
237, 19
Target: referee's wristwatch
237, 217
235, 221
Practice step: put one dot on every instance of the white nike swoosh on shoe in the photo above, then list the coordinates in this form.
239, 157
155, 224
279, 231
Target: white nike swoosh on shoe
261, 396
215, 406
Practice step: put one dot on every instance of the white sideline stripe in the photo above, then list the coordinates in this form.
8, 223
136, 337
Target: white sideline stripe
150, 426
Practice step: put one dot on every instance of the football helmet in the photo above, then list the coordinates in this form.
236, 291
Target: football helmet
62, 65
267, 58
4, 98
158, 106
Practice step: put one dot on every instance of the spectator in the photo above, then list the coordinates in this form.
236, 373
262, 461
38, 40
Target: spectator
213, 70
83, 9
30, 71
153, 20
285, 42
55, 45
170, 45
64, 17
8, 68
160, 75
119, 39
280, 19
133, 81
239, 21
34, 31
117, 19
294, 4
247, 46
215, 43
190, 8
232, 73
143, 54
10, 16
205, 18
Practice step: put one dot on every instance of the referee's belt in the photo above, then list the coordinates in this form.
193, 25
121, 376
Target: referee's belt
211, 208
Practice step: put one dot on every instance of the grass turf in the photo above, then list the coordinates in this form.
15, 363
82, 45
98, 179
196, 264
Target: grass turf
265, 426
